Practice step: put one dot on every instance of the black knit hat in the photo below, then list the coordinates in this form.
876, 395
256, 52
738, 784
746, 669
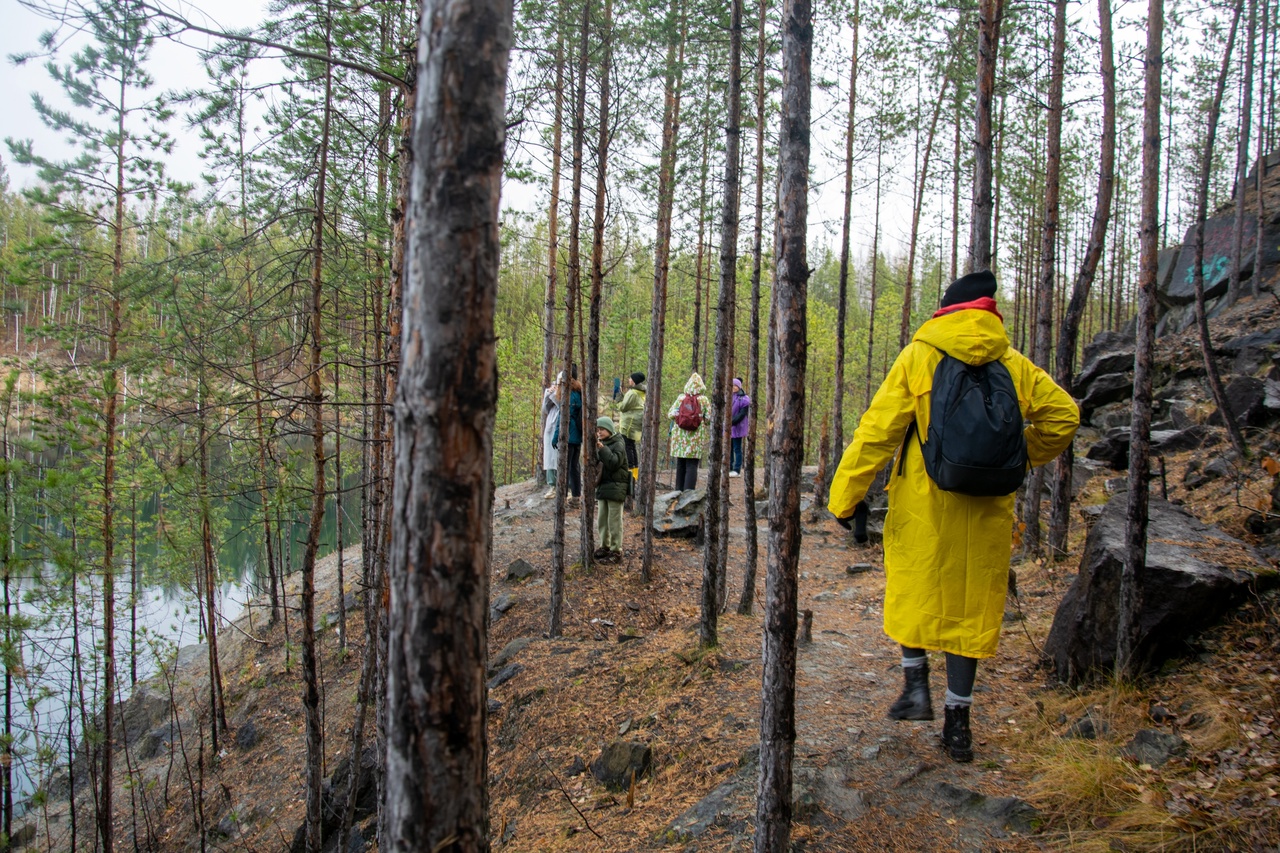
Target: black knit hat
637, 377
969, 287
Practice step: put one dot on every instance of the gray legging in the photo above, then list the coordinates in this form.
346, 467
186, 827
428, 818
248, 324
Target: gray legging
961, 671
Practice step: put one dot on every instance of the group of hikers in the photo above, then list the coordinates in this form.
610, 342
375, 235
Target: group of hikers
959, 419
617, 445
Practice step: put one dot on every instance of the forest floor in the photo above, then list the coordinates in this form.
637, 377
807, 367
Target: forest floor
628, 666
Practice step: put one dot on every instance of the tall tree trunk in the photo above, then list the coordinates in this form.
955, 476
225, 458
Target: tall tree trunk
1242, 165
310, 663
721, 390
1262, 142
110, 416
553, 224
875, 275
1202, 203
990, 13
650, 438
1041, 350
1133, 573
699, 307
572, 295
1068, 331
908, 286
436, 752
217, 703
786, 441
842, 294
591, 390
747, 598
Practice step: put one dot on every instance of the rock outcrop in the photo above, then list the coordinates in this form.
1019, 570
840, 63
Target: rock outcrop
1194, 575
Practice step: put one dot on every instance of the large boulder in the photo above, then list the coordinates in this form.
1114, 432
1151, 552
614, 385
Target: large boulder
1217, 260
679, 513
1108, 353
1246, 397
1194, 575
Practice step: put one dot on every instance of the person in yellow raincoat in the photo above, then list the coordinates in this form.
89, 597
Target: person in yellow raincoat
946, 555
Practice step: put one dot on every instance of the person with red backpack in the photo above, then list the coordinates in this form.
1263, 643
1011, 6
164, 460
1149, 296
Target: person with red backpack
967, 415
691, 412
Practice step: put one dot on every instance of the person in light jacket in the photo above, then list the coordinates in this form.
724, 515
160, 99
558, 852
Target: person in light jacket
631, 420
687, 444
550, 421
574, 389
946, 555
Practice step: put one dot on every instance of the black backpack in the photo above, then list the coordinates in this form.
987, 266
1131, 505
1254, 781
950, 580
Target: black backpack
975, 445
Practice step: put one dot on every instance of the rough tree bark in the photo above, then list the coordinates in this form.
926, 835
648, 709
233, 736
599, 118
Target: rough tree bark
842, 294
1042, 341
990, 13
1135, 561
436, 748
591, 388
649, 444
572, 293
315, 413
1212, 375
786, 440
720, 392
747, 598
553, 223
1242, 161
1068, 332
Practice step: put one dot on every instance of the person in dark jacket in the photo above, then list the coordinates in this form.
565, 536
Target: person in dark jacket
575, 437
615, 475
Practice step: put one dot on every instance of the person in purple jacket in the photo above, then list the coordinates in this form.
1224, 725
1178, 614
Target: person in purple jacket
740, 422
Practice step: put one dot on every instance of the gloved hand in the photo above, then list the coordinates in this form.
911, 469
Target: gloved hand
860, 514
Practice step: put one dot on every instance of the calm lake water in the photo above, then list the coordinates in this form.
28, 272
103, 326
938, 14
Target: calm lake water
167, 619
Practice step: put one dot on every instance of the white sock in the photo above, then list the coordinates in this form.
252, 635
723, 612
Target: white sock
908, 663
954, 701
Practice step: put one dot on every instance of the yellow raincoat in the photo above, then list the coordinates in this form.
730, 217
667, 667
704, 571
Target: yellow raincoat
946, 555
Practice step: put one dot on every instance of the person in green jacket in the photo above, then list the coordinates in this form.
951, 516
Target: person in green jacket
631, 420
612, 491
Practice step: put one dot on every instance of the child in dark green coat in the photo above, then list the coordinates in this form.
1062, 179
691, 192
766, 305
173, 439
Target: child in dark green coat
615, 475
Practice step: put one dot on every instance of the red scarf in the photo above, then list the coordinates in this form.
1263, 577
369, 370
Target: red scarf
982, 303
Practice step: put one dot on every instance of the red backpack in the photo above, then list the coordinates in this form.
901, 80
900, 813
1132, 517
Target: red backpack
689, 415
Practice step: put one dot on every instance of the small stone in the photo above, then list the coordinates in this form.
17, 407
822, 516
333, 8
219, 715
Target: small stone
576, 767
859, 568
504, 602
1153, 747
871, 753
247, 735
619, 760
505, 674
519, 570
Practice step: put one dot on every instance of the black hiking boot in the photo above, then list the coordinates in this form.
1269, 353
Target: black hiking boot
601, 554
957, 739
915, 702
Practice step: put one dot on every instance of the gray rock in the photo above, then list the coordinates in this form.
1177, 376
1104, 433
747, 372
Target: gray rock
1217, 260
1112, 449
23, 835
1107, 388
1108, 353
1008, 813
679, 513
1153, 747
616, 763
520, 570
247, 736
504, 602
1088, 727
1193, 578
509, 651
1177, 440
505, 674
157, 741
1165, 262
1245, 400
725, 802
1218, 467
828, 789
189, 655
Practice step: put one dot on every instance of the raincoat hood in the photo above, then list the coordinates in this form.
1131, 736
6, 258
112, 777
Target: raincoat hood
973, 335
695, 385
